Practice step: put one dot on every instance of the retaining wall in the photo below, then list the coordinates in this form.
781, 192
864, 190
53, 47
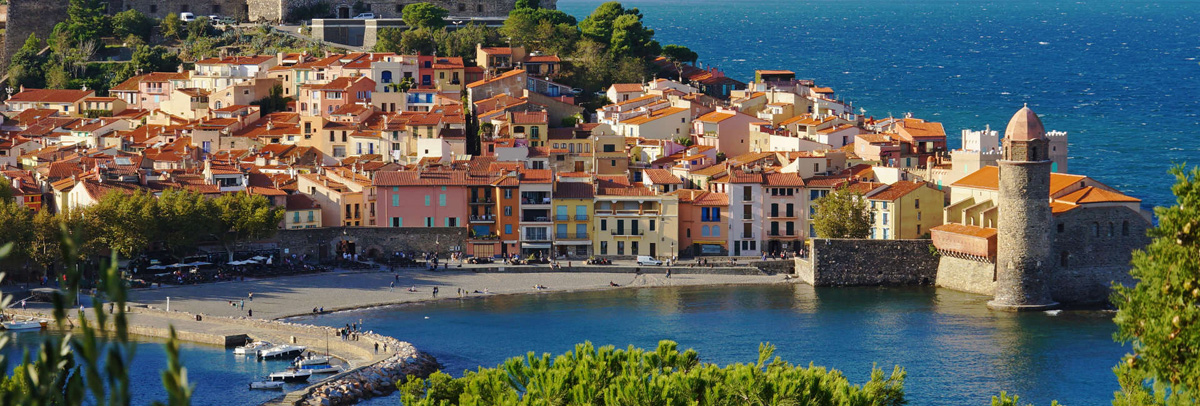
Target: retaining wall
851, 262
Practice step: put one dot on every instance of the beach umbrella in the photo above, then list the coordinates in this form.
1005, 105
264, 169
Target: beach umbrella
156, 267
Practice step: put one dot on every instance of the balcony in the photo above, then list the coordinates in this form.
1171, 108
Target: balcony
561, 217
535, 219
486, 218
581, 217
485, 237
487, 200
747, 236
782, 234
571, 236
781, 215
536, 237
637, 233
536, 201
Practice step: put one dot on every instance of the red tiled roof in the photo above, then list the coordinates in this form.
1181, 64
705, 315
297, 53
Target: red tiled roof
1093, 194
897, 190
50, 95
661, 177
236, 60
627, 87
573, 190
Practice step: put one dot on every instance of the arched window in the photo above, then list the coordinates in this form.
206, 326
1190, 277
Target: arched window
716, 231
387, 76
1096, 229
1112, 229
1125, 228
218, 105
704, 231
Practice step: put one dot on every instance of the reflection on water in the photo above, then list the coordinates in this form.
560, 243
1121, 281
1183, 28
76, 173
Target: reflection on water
955, 350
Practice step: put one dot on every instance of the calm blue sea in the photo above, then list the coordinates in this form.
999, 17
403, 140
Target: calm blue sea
1121, 76
956, 351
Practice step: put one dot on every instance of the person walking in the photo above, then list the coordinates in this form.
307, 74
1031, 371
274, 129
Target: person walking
250, 296
435, 291
376, 347
243, 304
392, 287
250, 313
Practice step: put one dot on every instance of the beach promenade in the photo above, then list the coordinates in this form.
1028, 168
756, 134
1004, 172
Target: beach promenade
298, 295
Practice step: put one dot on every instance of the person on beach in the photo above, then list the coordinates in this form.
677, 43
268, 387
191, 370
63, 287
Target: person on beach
250, 313
376, 348
250, 296
435, 291
243, 304
392, 287
668, 273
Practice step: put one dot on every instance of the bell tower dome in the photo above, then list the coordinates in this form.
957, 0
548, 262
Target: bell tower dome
1025, 138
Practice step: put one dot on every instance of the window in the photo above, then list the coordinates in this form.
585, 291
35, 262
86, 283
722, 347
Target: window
703, 231
603, 225
310, 216
508, 193
428, 200
603, 247
452, 222
153, 8
295, 217
885, 233
633, 248
652, 221
396, 222
429, 222
1096, 229
716, 231
1063, 257
885, 219
1125, 228
581, 231
620, 247
395, 200
746, 214
745, 193
462, 7
508, 229
507, 210
478, 8
917, 203
442, 199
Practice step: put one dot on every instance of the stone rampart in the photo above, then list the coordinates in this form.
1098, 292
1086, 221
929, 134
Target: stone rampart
966, 275
26, 17
684, 269
370, 241
853, 262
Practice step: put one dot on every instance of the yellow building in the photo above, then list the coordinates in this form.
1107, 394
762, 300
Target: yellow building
302, 212
902, 210
632, 220
573, 210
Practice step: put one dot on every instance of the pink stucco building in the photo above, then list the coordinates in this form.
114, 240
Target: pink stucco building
422, 198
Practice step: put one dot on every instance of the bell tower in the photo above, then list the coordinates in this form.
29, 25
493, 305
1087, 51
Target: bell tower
1023, 256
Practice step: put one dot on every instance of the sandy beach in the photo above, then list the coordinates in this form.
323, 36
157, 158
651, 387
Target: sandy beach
298, 295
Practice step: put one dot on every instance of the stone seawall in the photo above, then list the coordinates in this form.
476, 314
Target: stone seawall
852, 262
370, 241
966, 275
679, 269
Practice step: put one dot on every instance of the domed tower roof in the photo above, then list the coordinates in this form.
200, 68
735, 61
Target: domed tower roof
1025, 126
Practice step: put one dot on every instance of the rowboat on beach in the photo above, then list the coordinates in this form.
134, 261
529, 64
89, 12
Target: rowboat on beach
31, 324
266, 385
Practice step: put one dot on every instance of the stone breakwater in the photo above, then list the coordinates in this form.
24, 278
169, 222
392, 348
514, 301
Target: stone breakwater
378, 379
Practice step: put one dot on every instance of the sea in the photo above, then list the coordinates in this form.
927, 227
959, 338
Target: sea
1121, 77
954, 349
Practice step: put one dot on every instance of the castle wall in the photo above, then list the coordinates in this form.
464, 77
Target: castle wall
855, 262
1093, 250
321, 242
966, 275
30, 16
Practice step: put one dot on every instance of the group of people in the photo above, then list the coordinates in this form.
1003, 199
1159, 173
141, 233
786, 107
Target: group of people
350, 332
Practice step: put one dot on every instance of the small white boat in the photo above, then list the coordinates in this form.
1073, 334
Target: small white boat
266, 385
291, 375
282, 351
313, 360
251, 348
24, 325
322, 369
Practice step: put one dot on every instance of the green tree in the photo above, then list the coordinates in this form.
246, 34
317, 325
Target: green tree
680, 53
147, 59
85, 21
184, 219
418, 41
17, 223
44, 248
1159, 315
201, 27
26, 66
132, 22
684, 140
664, 376
598, 26
245, 217
274, 101
6, 192
128, 222
842, 214
171, 26
526, 5
630, 38
424, 15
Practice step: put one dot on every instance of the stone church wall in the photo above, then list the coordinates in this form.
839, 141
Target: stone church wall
852, 262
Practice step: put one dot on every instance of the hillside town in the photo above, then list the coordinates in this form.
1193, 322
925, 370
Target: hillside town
705, 165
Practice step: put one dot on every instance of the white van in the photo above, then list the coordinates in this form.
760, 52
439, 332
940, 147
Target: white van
648, 260
187, 17
365, 16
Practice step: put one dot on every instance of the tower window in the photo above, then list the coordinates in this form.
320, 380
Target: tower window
1125, 228
1061, 227
1063, 258
1096, 229
1112, 229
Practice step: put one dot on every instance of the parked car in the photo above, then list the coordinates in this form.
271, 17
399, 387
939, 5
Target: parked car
228, 21
364, 16
648, 260
214, 18
187, 17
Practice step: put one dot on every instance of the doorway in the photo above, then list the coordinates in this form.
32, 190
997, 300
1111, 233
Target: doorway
343, 11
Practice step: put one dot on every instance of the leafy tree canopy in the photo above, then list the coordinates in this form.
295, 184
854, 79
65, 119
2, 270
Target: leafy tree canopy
680, 53
132, 22
26, 66
665, 376
424, 15
1159, 315
842, 214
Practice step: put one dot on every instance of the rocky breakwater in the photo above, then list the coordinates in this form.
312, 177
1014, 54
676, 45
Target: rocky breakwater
377, 379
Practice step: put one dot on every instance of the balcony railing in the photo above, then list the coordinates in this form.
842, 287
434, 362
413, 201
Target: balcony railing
538, 219
544, 200
485, 217
561, 217
781, 215
537, 237
746, 235
482, 201
571, 236
581, 217
637, 233
485, 237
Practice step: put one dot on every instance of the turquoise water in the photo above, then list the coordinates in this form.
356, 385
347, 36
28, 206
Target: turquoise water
216, 375
1121, 76
956, 351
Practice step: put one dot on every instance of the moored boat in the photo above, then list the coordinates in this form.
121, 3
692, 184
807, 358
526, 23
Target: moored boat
15, 325
313, 360
282, 351
291, 375
266, 385
322, 369
251, 348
